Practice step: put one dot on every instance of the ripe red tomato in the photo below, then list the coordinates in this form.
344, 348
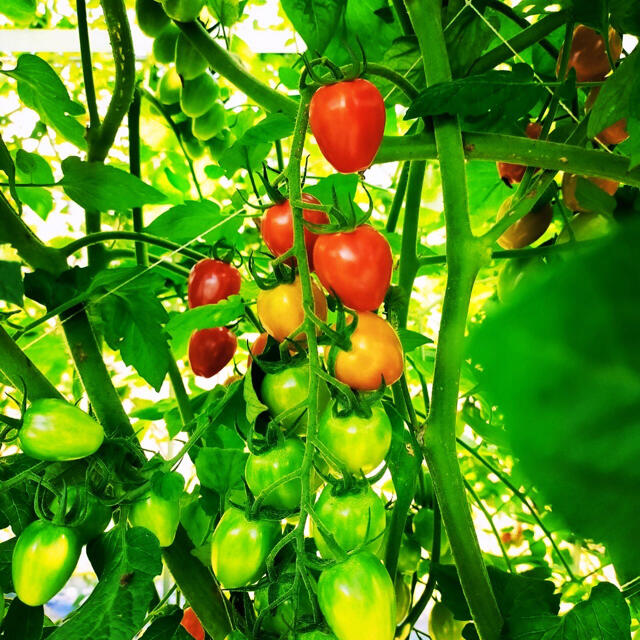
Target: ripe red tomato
613, 134
355, 266
526, 230
211, 281
588, 54
277, 227
375, 355
513, 173
347, 119
191, 623
210, 350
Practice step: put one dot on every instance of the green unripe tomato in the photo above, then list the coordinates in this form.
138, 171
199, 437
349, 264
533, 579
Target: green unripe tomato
170, 87
265, 469
239, 548
44, 558
403, 599
423, 531
352, 518
198, 95
286, 389
358, 443
96, 515
183, 10
159, 515
190, 63
442, 625
151, 18
219, 144
193, 147
56, 430
358, 600
164, 46
409, 555
210, 123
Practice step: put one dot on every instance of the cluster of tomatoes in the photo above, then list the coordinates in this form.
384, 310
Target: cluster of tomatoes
588, 58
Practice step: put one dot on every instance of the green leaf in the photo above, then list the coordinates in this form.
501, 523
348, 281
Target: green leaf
168, 485
7, 166
32, 168
625, 16
314, 20
252, 403
6, 554
562, 363
117, 606
11, 286
183, 324
411, 340
23, 622
227, 12
98, 187
220, 469
592, 198
22, 12
41, 89
193, 219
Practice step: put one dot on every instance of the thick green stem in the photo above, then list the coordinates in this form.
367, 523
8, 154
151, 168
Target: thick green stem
182, 397
133, 119
398, 198
465, 256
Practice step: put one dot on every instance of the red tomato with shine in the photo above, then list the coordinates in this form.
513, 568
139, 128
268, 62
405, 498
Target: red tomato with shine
277, 227
513, 173
191, 623
347, 119
355, 266
211, 281
210, 350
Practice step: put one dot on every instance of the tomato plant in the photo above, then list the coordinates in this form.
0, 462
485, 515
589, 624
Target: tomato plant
210, 350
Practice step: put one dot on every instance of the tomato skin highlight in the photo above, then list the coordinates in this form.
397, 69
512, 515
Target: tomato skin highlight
44, 558
191, 623
375, 356
280, 309
265, 469
358, 600
210, 350
588, 55
211, 281
58, 431
570, 186
277, 227
239, 548
526, 230
158, 515
355, 265
513, 173
347, 119
358, 443
353, 518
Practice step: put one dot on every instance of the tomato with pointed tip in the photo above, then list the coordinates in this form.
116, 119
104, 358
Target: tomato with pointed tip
211, 281
347, 119
614, 133
513, 173
277, 227
158, 515
375, 356
44, 558
355, 266
570, 186
191, 623
210, 350
358, 599
526, 230
588, 54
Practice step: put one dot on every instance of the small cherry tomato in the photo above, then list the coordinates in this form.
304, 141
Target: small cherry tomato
211, 281
210, 350
614, 133
280, 309
403, 599
347, 119
191, 623
355, 266
277, 227
588, 54
526, 230
570, 185
375, 357
513, 173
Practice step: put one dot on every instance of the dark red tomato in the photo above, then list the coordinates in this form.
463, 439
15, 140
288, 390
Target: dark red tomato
355, 266
191, 623
513, 173
277, 227
347, 120
588, 55
211, 281
210, 350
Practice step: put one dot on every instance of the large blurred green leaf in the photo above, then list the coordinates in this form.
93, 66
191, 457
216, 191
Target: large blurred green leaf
11, 287
23, 622
562, 362
314, 20
22, 12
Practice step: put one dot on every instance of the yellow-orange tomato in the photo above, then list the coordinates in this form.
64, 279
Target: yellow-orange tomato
375, 356
526, 230
614, 133
569, 186
280, 309
588, 54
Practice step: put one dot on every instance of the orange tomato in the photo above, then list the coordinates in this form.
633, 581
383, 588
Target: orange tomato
588, 54
526, 230
191, 623
570, 183
613, 134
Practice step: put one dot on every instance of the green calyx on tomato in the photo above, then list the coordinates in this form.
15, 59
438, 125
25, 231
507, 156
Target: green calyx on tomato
44, 558
284, 390
58, 431
355, 519
358, 600
239, 548
86, 514
158, 514
358, 443
262, 470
